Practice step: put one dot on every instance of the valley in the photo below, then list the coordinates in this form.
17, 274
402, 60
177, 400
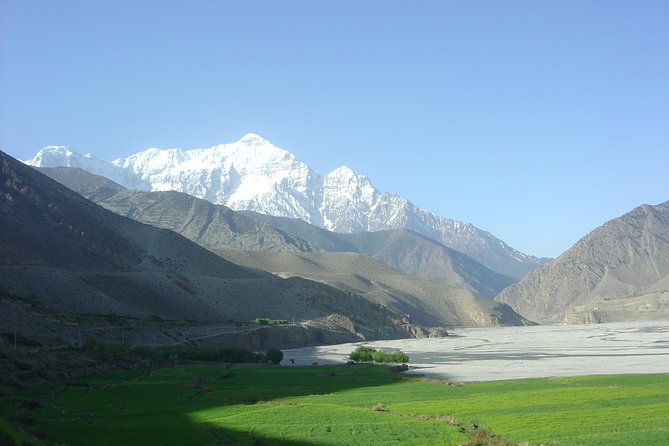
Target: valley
278, 223
98, 278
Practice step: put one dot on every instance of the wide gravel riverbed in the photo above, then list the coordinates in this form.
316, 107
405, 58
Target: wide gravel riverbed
486, 354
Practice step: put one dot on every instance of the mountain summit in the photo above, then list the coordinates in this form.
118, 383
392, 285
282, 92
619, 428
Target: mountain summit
252, 174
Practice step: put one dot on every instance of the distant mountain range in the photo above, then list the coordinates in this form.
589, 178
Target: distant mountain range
253, 175
618, 272
73, 256
61, 254
217, 227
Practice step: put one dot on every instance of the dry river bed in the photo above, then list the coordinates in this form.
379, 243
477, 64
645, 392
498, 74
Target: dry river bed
487, 354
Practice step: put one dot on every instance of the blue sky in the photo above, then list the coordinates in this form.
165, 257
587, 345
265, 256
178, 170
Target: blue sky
534, 120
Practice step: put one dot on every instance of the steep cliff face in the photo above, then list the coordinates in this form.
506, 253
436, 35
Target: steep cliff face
617, 272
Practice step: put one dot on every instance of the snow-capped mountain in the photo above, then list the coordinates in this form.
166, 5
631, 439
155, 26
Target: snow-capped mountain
252, 174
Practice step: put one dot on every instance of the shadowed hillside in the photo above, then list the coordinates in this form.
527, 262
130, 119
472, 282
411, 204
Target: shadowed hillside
75, 256
207, 224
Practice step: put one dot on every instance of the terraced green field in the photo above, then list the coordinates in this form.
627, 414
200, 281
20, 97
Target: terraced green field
358, 404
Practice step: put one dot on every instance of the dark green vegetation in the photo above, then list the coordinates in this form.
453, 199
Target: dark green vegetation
369, 354
116, 352
354, 404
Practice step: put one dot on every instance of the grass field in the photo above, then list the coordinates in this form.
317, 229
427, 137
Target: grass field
358, 404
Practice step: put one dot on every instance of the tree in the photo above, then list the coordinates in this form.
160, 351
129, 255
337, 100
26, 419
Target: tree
362, 354
369, 354
274, 355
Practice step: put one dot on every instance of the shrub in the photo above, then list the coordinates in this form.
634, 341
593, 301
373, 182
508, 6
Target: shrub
229, 354
400, 357
274, 355
362, 354
369, 354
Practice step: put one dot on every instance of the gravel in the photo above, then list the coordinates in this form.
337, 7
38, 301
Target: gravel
487, 354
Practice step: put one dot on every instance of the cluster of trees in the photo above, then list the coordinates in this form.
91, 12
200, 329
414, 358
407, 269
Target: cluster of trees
369, 354
114, 351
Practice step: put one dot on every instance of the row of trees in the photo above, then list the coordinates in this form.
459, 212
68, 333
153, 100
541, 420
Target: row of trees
369, 354
114, 351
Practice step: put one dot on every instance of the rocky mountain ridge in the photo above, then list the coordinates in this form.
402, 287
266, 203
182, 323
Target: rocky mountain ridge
402, 249
619, 271
217, 227
252, 174
70, 256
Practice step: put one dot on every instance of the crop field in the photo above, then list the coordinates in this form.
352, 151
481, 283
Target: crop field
356, 404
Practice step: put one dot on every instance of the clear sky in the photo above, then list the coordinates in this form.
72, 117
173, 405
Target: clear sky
535, 120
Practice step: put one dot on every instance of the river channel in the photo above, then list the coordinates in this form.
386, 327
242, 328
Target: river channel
485, 354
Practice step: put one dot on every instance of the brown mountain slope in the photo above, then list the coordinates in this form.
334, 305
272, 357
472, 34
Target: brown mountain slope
75, 256
403, 249
209, 225
618, 272
426, 302
218, 227
413, 253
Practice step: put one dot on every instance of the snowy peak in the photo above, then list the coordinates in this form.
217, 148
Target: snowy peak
53, 154
252, 174
342, 172
253, 140
345, 177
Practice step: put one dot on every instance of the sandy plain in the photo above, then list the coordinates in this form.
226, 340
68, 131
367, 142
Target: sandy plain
486, 354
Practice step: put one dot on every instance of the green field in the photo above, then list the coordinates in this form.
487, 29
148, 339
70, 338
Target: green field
358, 404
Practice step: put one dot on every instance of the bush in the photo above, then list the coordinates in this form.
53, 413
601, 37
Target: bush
369, 354
114, 351
400, 357
274, 355
362, 354
233, 355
